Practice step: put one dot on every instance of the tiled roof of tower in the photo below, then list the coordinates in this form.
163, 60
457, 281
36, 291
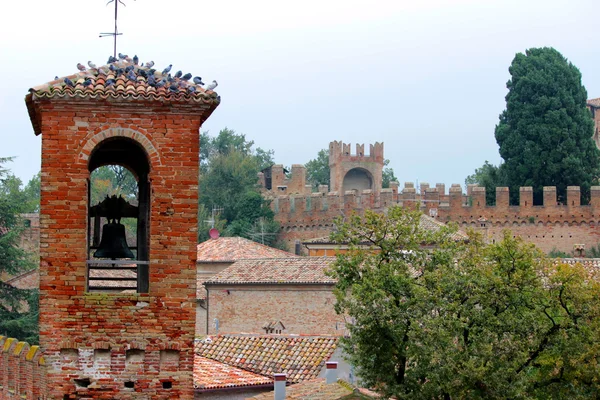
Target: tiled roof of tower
112, 82
299, 357
594, 102
211, 374
300, 270
230, 249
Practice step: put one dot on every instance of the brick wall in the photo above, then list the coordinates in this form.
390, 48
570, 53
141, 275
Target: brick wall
118, 345
22, 370
303, 309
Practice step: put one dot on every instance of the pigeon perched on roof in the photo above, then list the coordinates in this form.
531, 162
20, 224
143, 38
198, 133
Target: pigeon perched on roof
212, 85
122, 56
56, 78
192, 89
174, 87
129, 68
112, 68
69, 82
92, 65
142, 73
81, 67
150, 64
187, 77
136, 60
111, 60
110, 82
162, 83
131, 75
178, 74
167, 70
151, 80
198, 80
87, 82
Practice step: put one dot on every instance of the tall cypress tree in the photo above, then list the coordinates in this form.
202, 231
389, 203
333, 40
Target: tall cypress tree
545, 133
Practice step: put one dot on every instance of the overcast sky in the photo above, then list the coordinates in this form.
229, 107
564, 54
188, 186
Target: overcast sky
427, 78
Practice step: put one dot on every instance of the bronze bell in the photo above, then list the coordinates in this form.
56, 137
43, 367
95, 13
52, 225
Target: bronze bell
113, 243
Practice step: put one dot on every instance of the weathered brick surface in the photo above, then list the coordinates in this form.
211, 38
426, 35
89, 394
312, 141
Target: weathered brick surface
74, 323
22, 370
549, 226
303, 309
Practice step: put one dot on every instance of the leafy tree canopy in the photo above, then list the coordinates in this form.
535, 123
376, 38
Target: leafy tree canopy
18, 308
545, 133
490, 177
463, 319
229, 186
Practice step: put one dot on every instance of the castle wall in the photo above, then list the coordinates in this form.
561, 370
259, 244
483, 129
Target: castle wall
118, 345
22, 371
549, 226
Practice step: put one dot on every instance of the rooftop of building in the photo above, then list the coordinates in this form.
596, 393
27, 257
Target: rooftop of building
214, 375
316, 389
594, 102
296, 270
121, 80
299, 357
231, 249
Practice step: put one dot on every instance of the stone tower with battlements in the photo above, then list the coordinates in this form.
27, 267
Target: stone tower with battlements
116, 328
358, 171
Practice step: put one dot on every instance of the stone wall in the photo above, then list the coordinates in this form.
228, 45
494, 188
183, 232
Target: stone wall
302, 309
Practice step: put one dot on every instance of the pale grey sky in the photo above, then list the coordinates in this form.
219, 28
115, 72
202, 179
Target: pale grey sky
428, 78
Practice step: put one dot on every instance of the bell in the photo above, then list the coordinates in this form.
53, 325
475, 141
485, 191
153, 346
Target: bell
113, 244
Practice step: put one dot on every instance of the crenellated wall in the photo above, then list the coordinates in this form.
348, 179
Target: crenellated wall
22, 370
551, 225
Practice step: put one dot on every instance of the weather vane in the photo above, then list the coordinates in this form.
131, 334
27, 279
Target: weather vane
116, 32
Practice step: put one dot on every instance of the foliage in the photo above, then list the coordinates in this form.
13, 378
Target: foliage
111, 180
490, 177
229, 186
463, 319
387, 175
555, 253
317, 170
545, 133
18, 307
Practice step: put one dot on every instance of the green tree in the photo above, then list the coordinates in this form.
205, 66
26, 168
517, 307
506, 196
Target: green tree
229, 185
18, 307
490, 177
545, 133
387, 175
462, 319
317, 170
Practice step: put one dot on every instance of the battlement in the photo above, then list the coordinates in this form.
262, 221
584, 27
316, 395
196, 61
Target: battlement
22, 370
340, 151
275, 180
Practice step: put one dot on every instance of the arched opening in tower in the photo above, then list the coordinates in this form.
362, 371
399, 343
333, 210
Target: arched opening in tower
357, 179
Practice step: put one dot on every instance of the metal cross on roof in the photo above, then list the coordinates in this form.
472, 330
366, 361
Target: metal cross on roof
116, 32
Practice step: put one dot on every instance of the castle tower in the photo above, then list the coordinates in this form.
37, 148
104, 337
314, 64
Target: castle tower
112, 327
355, 171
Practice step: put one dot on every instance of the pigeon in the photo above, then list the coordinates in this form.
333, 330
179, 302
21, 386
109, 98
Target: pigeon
136, 59
151, 71
170, 78
81, 67
178, 74
187, 77
142, 73
167, 70
87, 82
111, 60
92, 65
131, 75
212, 86
150, 64
173, 87
151, 80
129, 68
192, 89
69, 82
122, 56
56, 78
120, 71
110, 82
112, 67
162, 83
127, 58
198, 80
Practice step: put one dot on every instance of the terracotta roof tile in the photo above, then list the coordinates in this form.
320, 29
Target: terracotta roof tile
312, 390
594, 102
307, 270
230, 249
210, 375
123, 89
299, 357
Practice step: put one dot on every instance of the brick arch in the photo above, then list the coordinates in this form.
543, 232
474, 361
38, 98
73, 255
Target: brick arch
93, 141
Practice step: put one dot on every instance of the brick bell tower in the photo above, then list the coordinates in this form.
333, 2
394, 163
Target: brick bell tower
357, 171
119, 326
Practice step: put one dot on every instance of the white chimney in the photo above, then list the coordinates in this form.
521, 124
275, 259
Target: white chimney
331, 372
279, 386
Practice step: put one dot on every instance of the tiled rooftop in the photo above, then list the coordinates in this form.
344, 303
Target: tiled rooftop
313, 390
299, 357
594, 102
426, 222
111, 82
211, 375
306, 270
230, 249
